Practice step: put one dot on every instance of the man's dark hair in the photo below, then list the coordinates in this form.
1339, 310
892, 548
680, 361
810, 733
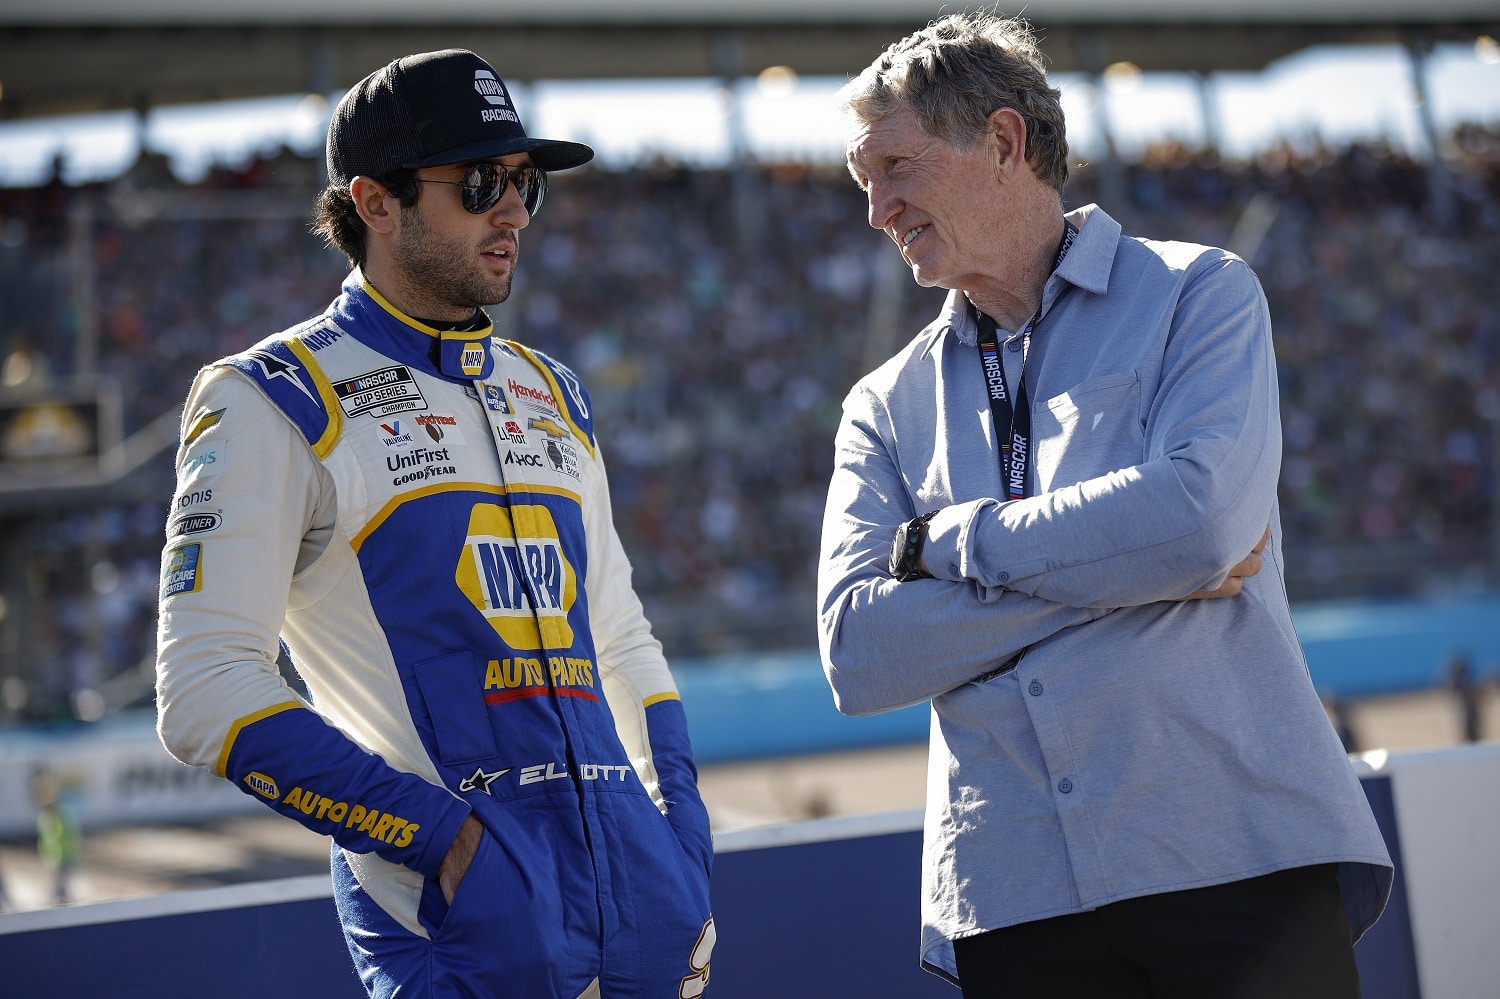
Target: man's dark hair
337, 222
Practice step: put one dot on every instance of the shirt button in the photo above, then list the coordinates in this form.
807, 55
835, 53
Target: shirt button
1035, 688
1065, 785
1004, 577
1013, 346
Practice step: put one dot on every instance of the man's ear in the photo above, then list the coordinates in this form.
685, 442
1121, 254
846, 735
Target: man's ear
1007, 141
375, 204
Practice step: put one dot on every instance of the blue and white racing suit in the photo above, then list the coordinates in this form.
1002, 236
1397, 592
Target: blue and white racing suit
422, 517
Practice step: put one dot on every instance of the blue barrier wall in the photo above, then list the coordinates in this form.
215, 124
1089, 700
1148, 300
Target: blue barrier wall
813, 909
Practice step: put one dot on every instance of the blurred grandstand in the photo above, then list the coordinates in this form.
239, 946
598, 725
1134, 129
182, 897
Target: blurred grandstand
685, 318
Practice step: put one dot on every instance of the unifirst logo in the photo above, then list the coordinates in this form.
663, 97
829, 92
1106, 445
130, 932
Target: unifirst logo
518, 582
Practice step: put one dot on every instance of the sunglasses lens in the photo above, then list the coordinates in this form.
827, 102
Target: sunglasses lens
484, 185
531, 185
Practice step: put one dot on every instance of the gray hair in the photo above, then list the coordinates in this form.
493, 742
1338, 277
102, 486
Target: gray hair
954, 73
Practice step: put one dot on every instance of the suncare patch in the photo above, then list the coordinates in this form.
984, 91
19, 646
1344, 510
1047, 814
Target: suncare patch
183, 570
495, 399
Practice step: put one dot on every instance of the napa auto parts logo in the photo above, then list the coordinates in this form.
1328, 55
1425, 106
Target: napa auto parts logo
519, 579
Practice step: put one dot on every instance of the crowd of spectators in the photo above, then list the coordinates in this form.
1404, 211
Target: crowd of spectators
719, 317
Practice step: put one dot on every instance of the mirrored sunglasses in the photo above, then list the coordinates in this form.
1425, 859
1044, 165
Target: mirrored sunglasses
484, 185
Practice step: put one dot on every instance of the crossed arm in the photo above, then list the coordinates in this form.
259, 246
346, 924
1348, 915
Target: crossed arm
1189, 522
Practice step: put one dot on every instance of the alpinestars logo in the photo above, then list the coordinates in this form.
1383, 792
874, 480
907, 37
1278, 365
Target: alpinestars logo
481, 779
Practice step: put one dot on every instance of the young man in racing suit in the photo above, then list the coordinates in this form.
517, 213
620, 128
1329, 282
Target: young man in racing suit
419, 511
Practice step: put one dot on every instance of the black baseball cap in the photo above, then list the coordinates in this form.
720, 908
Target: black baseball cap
429, 109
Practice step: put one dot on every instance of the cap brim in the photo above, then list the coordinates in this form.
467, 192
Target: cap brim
549, 154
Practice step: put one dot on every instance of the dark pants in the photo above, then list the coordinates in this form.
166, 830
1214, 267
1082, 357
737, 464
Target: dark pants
1280, 936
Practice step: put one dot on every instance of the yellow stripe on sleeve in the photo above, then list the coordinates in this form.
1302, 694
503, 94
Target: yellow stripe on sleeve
250, 719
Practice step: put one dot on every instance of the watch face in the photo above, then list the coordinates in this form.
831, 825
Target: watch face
898, 548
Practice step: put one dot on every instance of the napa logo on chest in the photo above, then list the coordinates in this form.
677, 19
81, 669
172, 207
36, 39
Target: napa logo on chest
514, 571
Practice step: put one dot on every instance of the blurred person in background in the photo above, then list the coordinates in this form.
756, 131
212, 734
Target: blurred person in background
419, 511
59, 841
1039, 520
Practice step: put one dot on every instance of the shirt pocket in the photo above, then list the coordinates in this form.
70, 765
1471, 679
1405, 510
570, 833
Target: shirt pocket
1089, 430
457, 722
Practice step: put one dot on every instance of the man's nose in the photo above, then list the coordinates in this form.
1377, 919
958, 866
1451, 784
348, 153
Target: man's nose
884, 206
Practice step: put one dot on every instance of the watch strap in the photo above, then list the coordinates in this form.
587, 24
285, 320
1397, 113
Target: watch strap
906, 557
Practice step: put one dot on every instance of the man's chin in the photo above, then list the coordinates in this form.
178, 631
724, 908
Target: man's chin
502, 291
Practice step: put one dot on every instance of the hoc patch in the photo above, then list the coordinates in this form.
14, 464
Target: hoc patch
183, 572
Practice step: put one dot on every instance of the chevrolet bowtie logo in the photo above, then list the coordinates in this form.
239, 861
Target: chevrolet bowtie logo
546, 425
479, 780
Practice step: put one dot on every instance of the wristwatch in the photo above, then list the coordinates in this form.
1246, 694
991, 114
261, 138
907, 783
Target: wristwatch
906, 549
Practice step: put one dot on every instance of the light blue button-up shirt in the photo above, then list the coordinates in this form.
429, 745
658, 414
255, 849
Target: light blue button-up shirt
1139, 745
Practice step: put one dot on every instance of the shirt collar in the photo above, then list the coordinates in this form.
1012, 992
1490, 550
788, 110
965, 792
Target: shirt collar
1086, 266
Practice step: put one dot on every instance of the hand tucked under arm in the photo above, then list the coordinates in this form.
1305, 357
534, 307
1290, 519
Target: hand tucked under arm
1235, 582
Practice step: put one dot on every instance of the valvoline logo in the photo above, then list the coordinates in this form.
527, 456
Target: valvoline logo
395, 434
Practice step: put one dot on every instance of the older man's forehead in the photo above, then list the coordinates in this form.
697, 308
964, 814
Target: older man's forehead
893, 133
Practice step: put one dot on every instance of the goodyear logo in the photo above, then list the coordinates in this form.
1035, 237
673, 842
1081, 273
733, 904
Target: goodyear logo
516, 582
262, 785
473, 359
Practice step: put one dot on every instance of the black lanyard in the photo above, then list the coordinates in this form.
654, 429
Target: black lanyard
1015, 446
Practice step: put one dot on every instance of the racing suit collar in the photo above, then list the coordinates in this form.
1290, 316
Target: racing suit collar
462, 355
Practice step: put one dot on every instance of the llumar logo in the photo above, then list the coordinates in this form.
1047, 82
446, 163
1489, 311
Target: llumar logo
514, 572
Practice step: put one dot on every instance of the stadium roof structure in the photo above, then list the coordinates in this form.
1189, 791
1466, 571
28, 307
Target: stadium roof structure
68, 56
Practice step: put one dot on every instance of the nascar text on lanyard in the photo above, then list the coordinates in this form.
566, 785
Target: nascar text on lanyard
1015, 447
